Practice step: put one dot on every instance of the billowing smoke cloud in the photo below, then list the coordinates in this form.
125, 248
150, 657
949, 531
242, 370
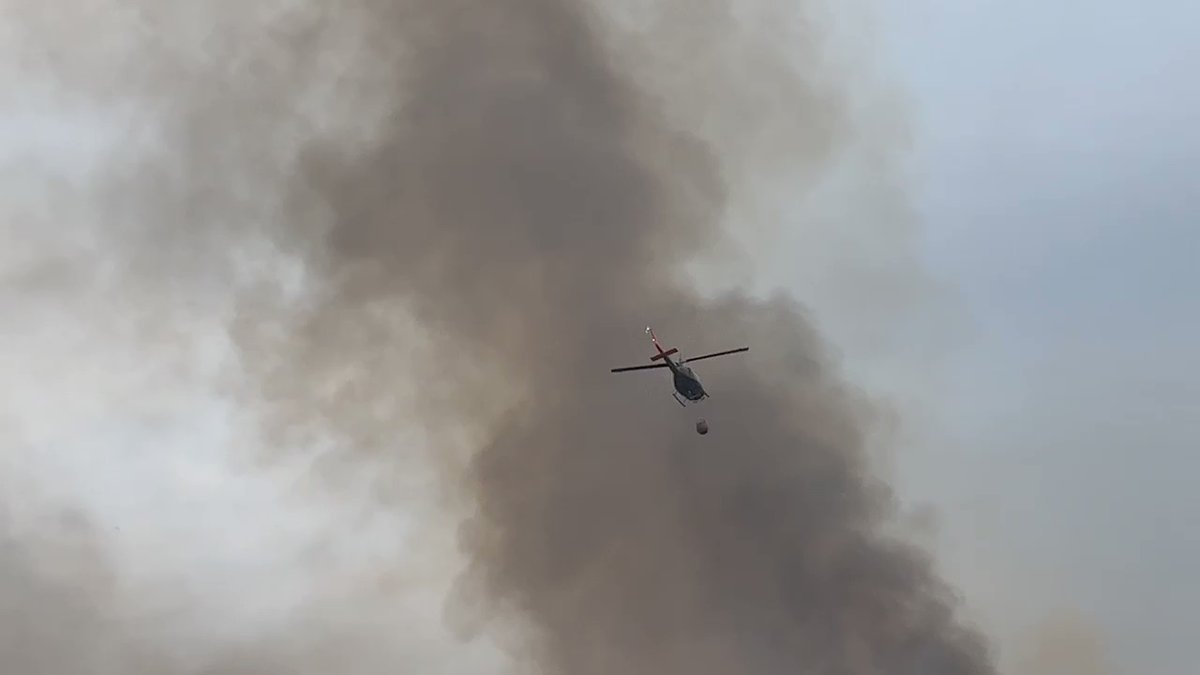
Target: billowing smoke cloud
534, 209
489, 206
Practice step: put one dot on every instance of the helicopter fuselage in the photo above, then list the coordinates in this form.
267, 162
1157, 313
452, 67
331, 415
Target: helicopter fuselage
685, 380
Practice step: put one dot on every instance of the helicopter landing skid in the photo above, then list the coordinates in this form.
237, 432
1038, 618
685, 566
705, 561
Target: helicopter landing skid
681, 402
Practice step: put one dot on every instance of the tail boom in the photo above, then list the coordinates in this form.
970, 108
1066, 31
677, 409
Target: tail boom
662, 353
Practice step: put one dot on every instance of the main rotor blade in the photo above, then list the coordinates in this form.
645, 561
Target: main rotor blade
709, 356
647, 367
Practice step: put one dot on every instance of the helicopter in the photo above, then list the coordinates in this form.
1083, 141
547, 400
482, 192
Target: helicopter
687, 384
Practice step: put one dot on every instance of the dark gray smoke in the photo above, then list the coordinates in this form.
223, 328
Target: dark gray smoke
499, 173
533, 208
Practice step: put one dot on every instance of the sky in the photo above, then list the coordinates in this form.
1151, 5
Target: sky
1052, 174
1057, 172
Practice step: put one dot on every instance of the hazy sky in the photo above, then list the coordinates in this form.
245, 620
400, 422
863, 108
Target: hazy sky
1058, 169
1055, 178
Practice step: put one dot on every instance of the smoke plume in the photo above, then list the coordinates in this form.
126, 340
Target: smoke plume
533, 209
489, 203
